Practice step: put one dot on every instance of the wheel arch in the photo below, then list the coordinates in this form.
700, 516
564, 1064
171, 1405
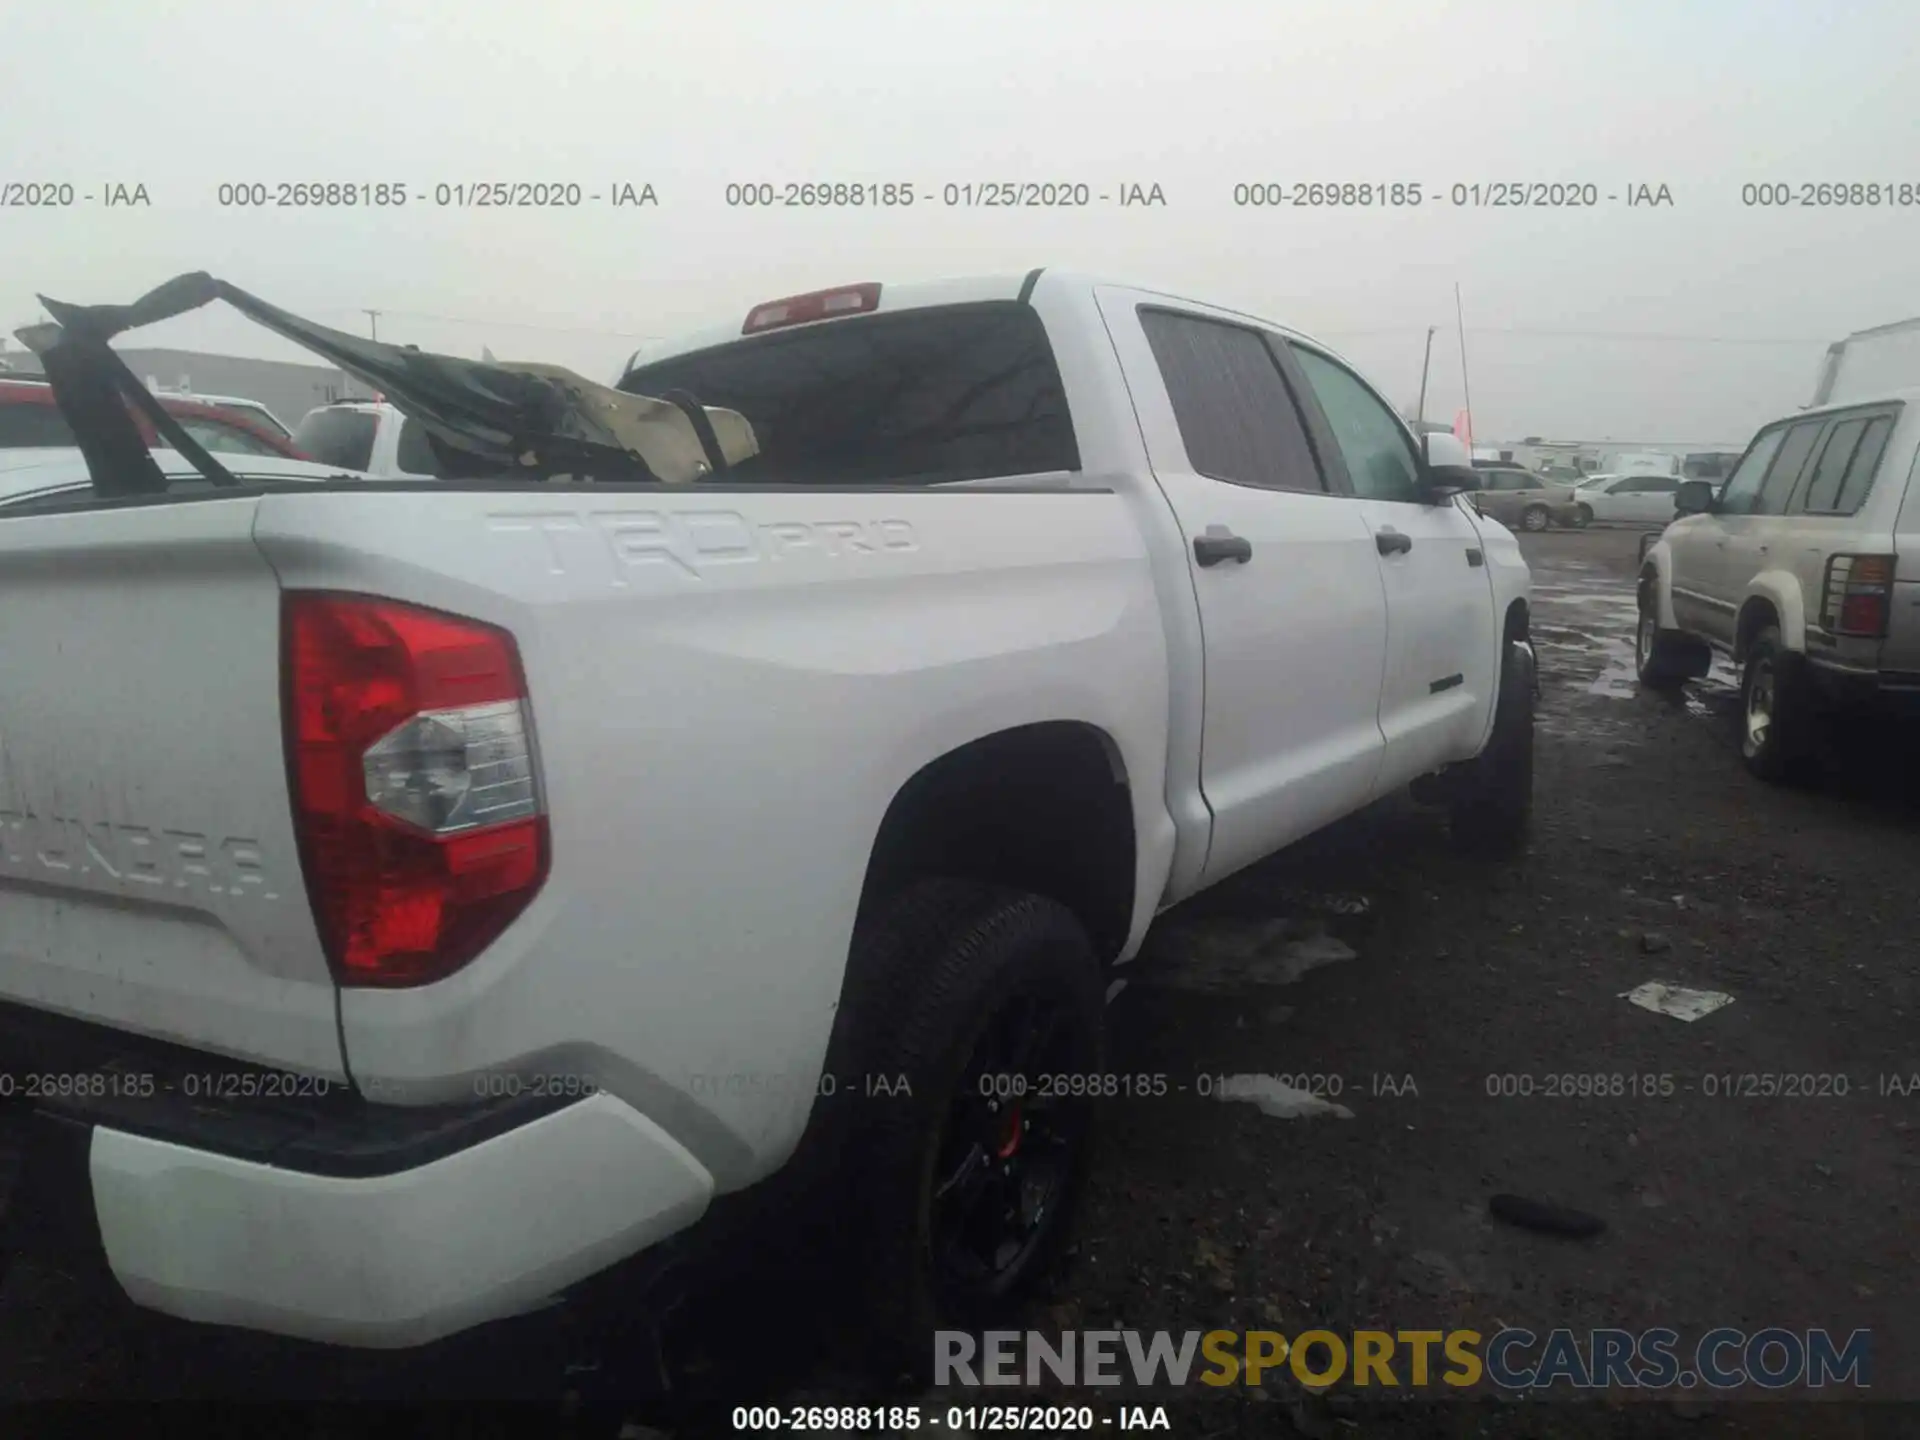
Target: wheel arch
1654, 588
1045, 807
1772, 599
1518, 619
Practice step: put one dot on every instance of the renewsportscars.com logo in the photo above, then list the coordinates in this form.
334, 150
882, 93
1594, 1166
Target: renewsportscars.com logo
1510, 1359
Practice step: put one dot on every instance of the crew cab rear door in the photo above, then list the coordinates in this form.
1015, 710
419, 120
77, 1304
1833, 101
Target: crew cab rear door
1292, 609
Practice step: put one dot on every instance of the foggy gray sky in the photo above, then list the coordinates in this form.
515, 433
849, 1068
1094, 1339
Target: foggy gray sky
1702, 95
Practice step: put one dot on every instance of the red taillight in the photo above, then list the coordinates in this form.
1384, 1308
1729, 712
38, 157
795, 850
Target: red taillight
817, 305
409, 747
1863, 615
1859, 595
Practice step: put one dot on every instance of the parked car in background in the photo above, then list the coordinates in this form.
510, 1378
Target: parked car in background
1639, 462
29, 419
367, 435
238, 405
1794, 571
1522, 500
1628, 499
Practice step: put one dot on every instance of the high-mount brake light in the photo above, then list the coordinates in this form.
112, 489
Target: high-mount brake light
421, 824
815, 305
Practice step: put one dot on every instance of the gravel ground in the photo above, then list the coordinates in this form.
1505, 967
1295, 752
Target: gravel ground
1655, 858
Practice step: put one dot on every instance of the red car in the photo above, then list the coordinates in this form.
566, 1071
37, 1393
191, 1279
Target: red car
29, 419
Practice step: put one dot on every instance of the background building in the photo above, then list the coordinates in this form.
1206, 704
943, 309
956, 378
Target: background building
287, 388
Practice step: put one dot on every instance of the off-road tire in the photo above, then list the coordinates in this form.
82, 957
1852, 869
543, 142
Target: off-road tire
1780, 751
1493, 812
1664, 660
929, 969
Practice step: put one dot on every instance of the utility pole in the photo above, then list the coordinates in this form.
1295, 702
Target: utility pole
373, 322
1420, 410
1466, 390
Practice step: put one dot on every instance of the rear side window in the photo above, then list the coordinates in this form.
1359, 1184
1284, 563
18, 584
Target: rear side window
961, 392
1860, 469
29, 426
1784, 473
1237, 417
338, 437
1828, 471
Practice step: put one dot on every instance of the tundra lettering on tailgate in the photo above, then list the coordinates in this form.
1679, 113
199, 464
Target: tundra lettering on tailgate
692, 542
52, 847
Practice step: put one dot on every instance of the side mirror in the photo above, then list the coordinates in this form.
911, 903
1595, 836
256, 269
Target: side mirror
1442, 482
1694, 497
1447, 468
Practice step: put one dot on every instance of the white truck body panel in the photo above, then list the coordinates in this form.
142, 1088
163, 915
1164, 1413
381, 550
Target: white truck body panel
661, 635
1869, 363
148, 874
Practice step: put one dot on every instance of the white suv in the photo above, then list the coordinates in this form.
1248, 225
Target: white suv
1795, 569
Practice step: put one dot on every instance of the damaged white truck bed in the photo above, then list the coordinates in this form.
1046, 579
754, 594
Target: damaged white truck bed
415, 898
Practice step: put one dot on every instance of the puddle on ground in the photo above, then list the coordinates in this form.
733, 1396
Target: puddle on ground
1228, 955
1277, 1098
1588, 631
1583, 628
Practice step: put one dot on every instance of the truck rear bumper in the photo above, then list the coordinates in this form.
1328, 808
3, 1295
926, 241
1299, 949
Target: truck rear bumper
1889, 693
342, 1240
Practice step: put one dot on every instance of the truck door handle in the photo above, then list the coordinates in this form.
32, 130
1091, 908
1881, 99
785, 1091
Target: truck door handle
1392, 542
1220, 543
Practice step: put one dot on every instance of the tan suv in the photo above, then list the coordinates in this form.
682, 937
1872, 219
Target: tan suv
1522, 500
1804, 568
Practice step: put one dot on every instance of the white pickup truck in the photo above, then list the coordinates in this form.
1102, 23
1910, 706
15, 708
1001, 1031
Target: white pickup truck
416, 897
366, 435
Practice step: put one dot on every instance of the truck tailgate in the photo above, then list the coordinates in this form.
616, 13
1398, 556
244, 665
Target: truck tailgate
149, 878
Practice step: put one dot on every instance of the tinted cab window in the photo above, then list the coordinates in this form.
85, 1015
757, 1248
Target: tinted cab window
949, 393
338, 437
1237, 416
414, 454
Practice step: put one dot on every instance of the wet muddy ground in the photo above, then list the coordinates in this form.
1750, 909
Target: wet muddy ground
1433, 1008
